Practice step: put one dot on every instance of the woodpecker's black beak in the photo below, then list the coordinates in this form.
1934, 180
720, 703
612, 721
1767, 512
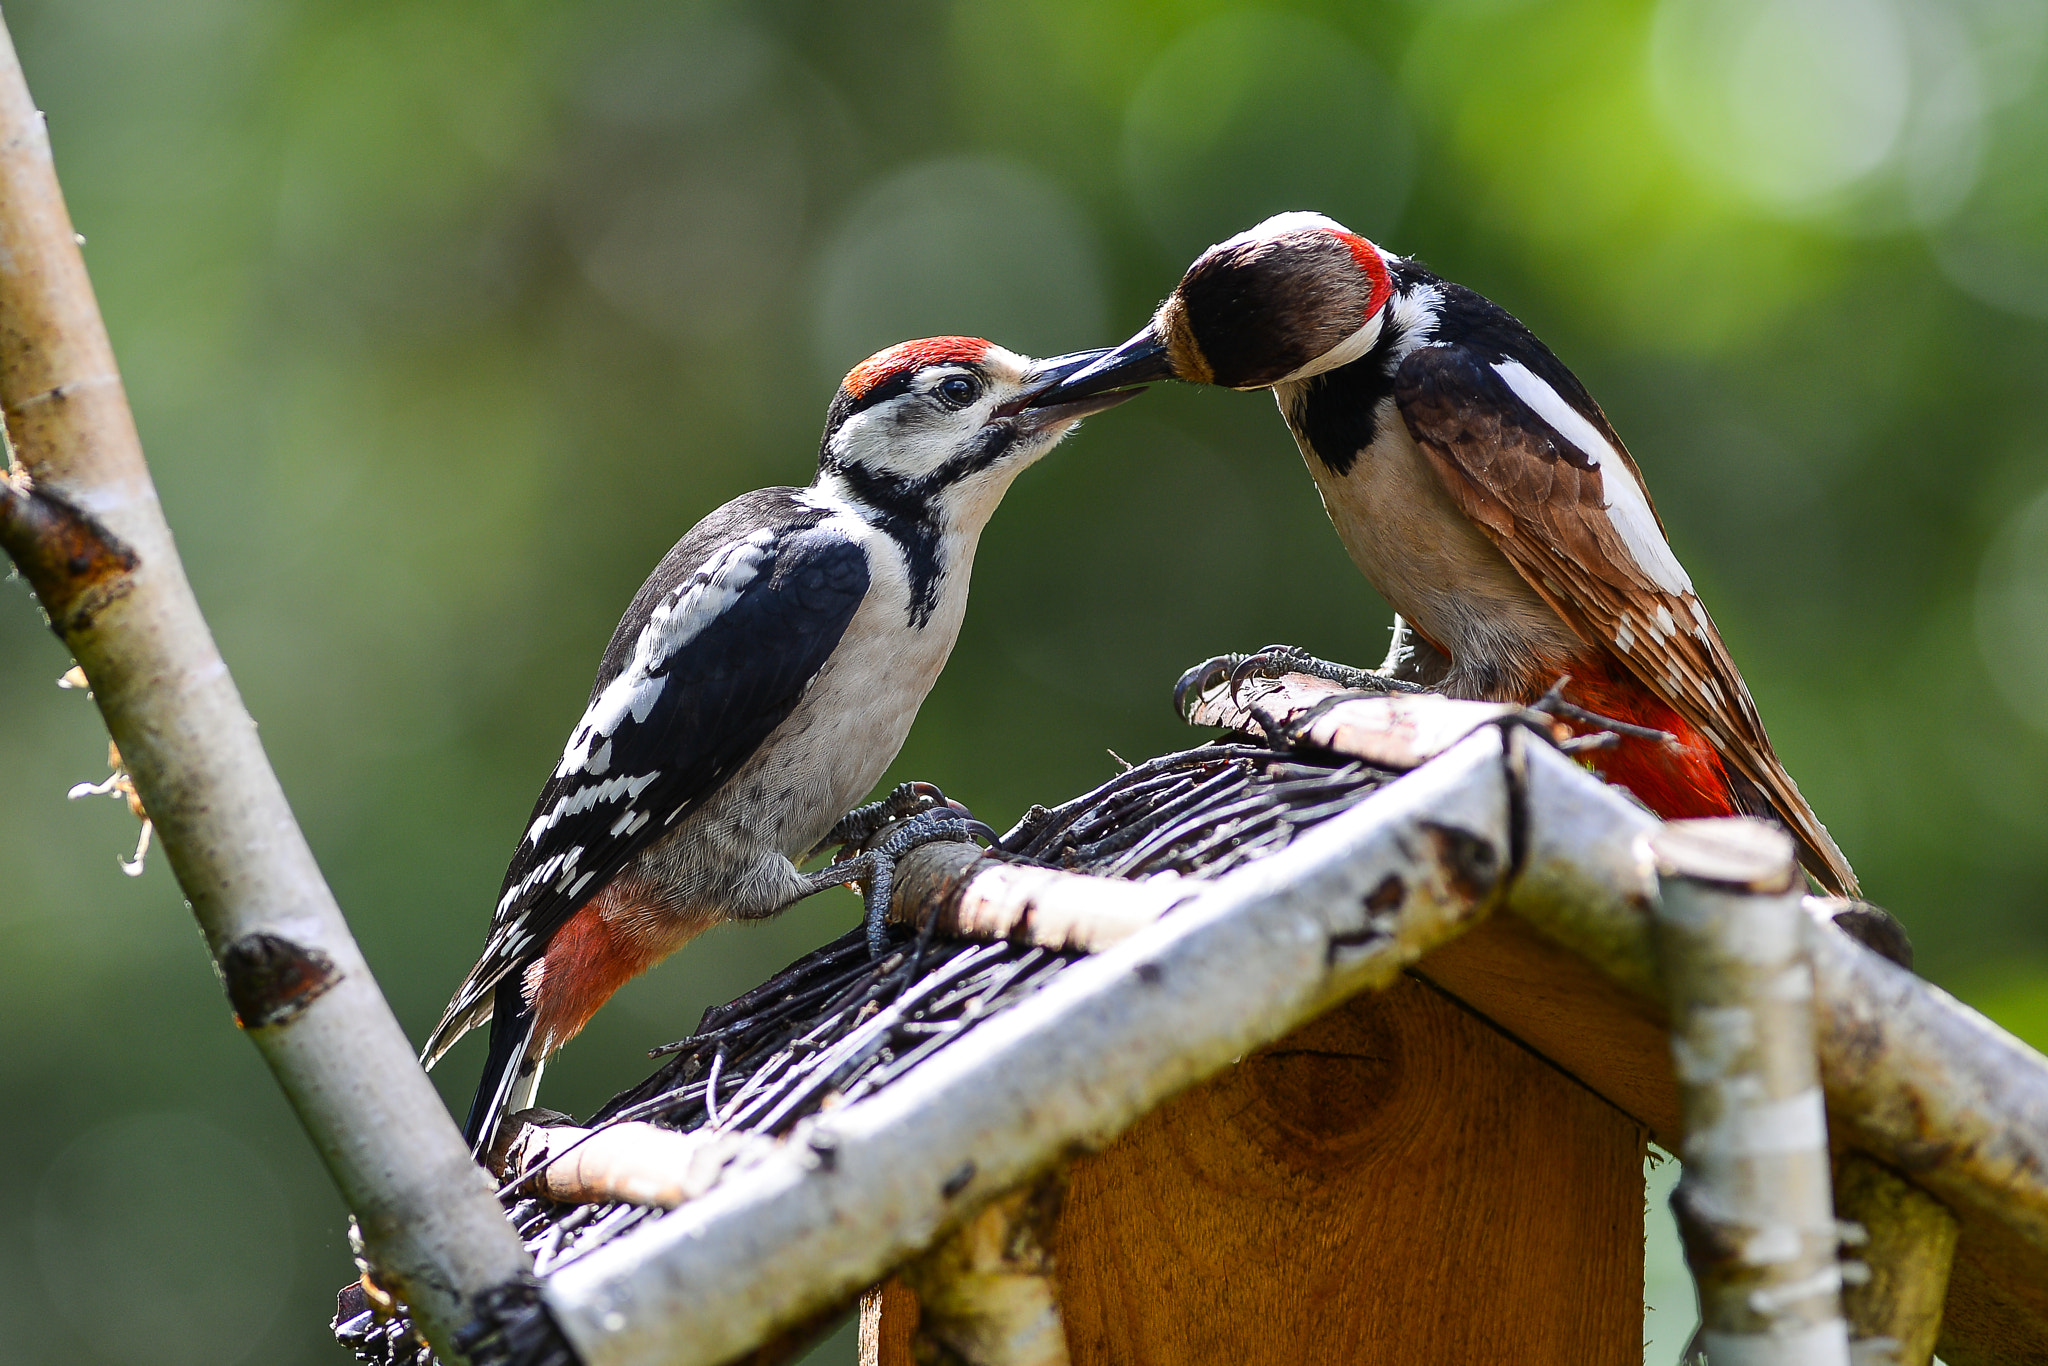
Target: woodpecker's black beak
1040, 414
1057, 370
1141, 360
1030, 411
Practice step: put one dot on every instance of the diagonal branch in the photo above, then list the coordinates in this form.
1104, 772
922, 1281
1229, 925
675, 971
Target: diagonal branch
79, 515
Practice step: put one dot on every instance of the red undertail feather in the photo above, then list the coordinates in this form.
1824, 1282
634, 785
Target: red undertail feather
1677, 781
601, 948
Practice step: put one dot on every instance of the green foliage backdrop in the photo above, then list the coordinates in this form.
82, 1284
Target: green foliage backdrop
444, 318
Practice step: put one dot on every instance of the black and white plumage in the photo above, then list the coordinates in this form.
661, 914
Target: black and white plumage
759, 684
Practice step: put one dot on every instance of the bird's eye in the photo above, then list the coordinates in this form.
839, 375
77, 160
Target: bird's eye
959, 390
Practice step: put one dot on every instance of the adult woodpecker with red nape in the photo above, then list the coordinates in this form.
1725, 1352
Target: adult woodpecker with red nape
1480, 488
760, 683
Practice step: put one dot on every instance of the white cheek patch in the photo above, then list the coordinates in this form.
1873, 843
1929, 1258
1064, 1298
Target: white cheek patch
876, 440
1343, 353
1628, 508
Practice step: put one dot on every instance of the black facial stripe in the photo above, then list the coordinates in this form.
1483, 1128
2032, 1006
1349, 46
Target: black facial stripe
900, 509
1338, 411
905, 509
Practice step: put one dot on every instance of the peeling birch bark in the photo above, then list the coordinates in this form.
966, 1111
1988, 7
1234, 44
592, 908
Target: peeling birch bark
1906, 1245
858, 1190
79, 516
976, 896
988, 1296
1754, 1206
1923, 1083
631, 1163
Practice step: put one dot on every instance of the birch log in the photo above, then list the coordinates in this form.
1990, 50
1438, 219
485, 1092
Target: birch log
79, 515
987, 1295
1754, 1206
1905, 1242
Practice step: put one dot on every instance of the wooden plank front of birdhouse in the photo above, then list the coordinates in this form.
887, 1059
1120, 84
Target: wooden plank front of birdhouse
1397, 1182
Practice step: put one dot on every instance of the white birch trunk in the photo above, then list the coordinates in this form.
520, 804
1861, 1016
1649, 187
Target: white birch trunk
1755, 1205
79, 515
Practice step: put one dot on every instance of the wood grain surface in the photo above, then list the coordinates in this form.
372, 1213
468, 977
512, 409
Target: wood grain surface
1396, 1182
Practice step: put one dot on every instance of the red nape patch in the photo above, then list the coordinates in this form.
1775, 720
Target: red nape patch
904, 357
1375, 268
1678, 782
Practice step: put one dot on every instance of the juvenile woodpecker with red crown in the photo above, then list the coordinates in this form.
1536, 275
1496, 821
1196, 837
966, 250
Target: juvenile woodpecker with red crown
760, 683
1480, 488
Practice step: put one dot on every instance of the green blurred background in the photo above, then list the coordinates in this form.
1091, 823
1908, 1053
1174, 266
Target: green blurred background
444, 318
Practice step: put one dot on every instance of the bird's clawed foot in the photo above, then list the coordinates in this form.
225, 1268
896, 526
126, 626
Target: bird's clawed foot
941, 825
881, 833
1272, 662
863, 823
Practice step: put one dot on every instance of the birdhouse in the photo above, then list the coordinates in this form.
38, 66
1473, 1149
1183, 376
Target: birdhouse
1339, 1038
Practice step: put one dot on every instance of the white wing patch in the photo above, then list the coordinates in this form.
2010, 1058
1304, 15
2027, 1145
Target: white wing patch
582, 798
1627, 505
681, 616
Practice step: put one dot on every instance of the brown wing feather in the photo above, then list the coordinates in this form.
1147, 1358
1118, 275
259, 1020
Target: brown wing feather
1543, 502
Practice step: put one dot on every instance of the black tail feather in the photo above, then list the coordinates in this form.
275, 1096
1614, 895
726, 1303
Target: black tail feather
511, 1031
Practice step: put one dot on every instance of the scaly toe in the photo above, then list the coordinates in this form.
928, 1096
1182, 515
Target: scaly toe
1267, 663
1200, 679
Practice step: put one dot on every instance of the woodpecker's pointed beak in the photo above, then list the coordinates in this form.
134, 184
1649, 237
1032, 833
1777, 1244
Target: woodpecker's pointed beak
1041, 415
1030, 410
1057, 370
1140, 360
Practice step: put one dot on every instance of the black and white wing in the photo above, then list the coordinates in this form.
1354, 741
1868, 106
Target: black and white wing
712, 656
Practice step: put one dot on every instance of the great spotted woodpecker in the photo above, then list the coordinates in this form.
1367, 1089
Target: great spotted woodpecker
1480, 488
760, 683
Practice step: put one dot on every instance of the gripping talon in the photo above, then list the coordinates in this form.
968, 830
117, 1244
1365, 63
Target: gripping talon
1200, 679
1260, 665
863, 823
942, 824
1275, 660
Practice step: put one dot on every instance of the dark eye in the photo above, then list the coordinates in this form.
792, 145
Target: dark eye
959, 390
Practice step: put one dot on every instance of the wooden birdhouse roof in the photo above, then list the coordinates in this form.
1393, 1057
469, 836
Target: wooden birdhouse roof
833, 1123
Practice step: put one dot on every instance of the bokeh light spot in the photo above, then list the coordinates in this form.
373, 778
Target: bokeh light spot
1252, 114
970, 246
2012, 612
1996, 247
155, 1232
1787, 100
